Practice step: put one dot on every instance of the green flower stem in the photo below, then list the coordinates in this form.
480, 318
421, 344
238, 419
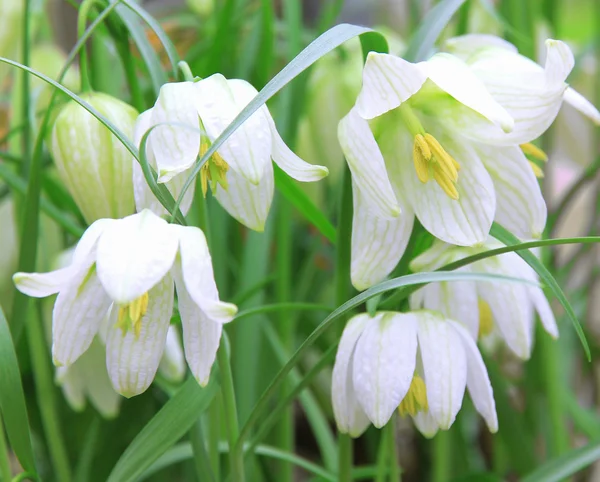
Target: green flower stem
5, 473
185, 71
44, 385
25, 100
82, 16
441, 457
214, 435
202, 460
383, 454
345, 453
137, 98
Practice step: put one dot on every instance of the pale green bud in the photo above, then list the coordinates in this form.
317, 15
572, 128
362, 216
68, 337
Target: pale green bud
11, 19
93, 164
202, 7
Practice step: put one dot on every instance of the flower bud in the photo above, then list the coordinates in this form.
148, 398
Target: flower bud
11, 19
93, 164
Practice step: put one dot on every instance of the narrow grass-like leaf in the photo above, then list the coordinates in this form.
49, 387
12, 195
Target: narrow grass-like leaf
430, 29
566, 465
506, 237
12, 400
165, 429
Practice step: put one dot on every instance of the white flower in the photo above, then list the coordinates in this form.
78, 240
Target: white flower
126, 268
240, 173
418, 362
404, 142
486, 307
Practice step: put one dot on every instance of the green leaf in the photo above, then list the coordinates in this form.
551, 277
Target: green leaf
506, 237
286, 185
566, 465
373, 42
12, 400
436, 20
165, 429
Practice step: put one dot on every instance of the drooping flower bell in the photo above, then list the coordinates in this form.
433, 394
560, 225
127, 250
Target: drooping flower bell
126, 268
188, 117
418, 363
93, 164
484, 308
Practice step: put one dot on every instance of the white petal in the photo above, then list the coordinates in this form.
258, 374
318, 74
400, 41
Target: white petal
367, 165
465, 221
444, 367
433, 258
248, 149
349, 415
175, 145
135, 253
468, 45
509, 305
454, 77
79, 309
132, 360
290, 162
69, 379
478, 381
582, 105
198, 276
172, 364
426, 424
40, 285
384, 364
541, 305
520, 206
87, 245
387, 82
201, 335
377, 244
248, 203
559, 62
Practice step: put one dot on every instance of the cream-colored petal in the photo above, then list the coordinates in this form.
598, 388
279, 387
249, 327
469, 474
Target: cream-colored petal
132, 360
172, 363
40, 285
387, 82
469, 45
426, 424
583, 105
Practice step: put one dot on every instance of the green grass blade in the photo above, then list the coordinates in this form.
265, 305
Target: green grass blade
12, 400
165, 429
506, 237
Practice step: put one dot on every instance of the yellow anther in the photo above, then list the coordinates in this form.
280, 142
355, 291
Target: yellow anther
432, 161
534, 151
537, 170
415, 400
213, 171
130, 315
486, 319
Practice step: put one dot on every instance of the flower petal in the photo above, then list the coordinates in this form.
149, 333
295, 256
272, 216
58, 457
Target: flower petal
478, 381
201, 335
172, 363
387, 82
520, 206
247, 202
426, 424
175, 145
466, 46
40, 285
384, 364
132, 360
79, 309
349, 415
582, 105
377, 244
465, 221
248, 149
198, 276
367, 165
135, 253
454, 77
559, 62
444, 367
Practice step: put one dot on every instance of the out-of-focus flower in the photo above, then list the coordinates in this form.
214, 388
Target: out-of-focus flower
11, 14
406, 144
126, 268
93, 164
487, 308
190, 116
202, 7
417, 362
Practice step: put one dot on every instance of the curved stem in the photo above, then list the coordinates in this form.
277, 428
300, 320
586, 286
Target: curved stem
82, 15
441, 457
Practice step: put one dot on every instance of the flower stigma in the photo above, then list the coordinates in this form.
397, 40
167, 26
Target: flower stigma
486, 319
213, 171
415, 400
130, 315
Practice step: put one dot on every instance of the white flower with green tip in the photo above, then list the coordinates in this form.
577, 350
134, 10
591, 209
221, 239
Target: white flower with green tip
127, 268
505, 310
417, 362
240, 173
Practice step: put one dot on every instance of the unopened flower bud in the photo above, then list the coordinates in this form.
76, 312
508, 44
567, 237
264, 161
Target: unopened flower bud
94, 165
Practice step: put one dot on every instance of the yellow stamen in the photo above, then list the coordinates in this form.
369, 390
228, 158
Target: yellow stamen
415, 400
130, 315
537, 170
534, 151
213, 171
486, 319
432, 161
